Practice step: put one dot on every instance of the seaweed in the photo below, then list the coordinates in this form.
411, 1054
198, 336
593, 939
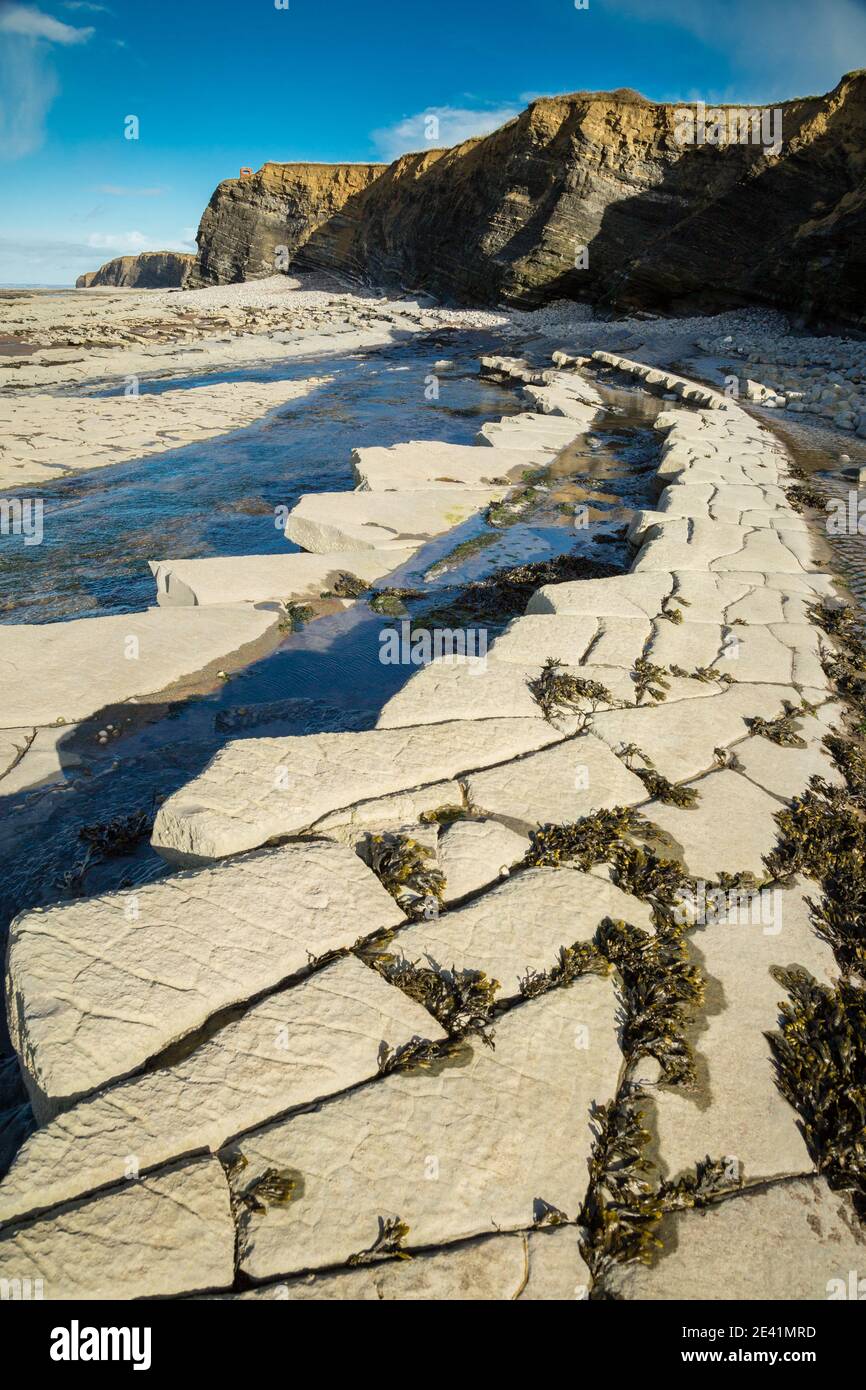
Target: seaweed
659, 987
461, 1001
294, 616
558, 693
403, 866
650, 680
782, 730
820, 1056
277, 1187
387, 1245
656, 784
389, 603
711, 1181
621, 1211
581, 958
120, 835
588, 841
347, 585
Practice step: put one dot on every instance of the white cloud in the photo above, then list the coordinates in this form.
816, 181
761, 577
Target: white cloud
28, 84
774, 49
31, 23
130, 243
436, 127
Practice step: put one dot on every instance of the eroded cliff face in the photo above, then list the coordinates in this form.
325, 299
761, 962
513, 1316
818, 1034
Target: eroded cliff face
595, 196
248, 220
150, 270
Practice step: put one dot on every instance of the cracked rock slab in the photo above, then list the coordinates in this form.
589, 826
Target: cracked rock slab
557, 785
262, 578
525, 1265
729, 830
736, 1110
328, 521
681, 737
620, 596
322, 1036
794, 1241
167, 1234
67, 671
98, 986
519, 927
429, 464
474, 853
467, 687
255, 789
453, 1152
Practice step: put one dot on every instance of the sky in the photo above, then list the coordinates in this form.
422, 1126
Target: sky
218, 84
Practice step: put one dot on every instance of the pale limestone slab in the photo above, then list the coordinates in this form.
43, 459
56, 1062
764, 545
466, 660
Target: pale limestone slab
681, 737
751, 653
574, 640
621, 596
430, 464
453, 1152
552, 400
736, 1111
729, 830
167, 1234
255, 789
462, 687
724, 548
474, 853
98, 986
352, 826
322, 1036
262, 578
520, 926
544, 1264
534, 639
67, 671
786, 772
556, 785
14, 743
385, 521
792, 1242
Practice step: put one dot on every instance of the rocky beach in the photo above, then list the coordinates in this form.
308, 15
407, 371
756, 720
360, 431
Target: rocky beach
431, 739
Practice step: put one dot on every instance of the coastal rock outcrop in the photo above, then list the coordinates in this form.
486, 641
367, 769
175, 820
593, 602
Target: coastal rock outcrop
150, 270
249, 219
592, 196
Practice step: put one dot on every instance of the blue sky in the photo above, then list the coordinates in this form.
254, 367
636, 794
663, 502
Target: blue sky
217, 84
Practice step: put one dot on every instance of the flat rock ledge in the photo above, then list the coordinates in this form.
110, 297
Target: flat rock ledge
226, 1083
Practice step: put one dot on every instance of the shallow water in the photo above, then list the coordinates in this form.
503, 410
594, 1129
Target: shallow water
101, 528
218, 498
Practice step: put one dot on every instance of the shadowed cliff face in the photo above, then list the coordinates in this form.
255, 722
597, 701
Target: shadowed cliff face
593, 196
150, 270
249, 220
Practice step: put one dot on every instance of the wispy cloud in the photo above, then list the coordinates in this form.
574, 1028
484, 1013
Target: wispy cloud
438, 126
28, 83
130, 243
31, 23
773, 48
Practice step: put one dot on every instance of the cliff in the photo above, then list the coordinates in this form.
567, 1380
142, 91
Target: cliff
247, 220
669, 226
150, 270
